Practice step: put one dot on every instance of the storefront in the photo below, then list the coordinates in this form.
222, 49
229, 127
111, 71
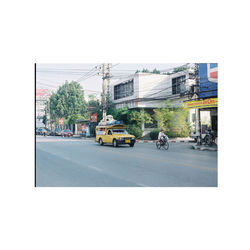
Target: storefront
205, 109
208, 109
82, 128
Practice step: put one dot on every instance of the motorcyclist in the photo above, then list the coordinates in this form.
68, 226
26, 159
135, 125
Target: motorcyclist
162, 136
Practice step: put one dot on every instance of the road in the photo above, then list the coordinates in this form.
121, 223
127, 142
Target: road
70, 162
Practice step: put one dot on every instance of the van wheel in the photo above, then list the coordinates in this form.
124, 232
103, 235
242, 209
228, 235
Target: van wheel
115, 143
100, 141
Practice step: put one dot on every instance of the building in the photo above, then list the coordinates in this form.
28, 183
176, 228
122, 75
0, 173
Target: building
148, 91
42, 98
207, 103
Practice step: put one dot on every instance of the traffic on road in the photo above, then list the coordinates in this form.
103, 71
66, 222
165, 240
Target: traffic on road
80, 162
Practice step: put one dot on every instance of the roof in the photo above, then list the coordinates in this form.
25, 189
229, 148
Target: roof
82, 120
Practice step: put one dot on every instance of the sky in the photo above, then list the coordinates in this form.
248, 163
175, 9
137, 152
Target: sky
51, 76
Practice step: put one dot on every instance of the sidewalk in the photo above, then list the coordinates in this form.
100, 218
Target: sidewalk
173, 140
205, 147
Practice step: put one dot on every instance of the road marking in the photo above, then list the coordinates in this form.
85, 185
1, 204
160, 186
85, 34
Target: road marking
95, 168
141, 185
63, 140
144, 156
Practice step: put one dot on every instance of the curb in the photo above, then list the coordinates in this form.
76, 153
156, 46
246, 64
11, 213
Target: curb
202, 148
171, 141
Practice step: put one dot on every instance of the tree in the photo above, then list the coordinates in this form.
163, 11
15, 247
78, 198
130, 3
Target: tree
44, 120
140, 117
94, 106
72, 119
173, 119
155, 71
179, 69
67, 101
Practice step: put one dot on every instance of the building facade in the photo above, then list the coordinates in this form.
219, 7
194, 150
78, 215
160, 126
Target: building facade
42, 98
206, 105
148, 91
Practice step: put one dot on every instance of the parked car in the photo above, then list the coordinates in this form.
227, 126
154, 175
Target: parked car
67, 132
48, 131
56, 131
39, 131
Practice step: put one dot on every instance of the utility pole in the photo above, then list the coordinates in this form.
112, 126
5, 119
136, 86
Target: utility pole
197, 111
108, 77
104, 92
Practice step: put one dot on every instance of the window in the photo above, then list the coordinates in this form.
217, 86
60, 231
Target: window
120, 131
124, 89
178, 84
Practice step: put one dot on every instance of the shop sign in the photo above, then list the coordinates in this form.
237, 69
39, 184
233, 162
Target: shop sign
208, 73
93, 117
206, 103
61, 121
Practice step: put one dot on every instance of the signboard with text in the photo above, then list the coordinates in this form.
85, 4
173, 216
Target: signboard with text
208, 73
206, 103
93, 117
61, 121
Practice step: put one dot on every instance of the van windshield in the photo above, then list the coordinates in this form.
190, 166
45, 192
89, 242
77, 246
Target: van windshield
120, 131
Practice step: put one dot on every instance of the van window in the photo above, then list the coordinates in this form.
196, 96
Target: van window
120, 131
109, 132
101, 132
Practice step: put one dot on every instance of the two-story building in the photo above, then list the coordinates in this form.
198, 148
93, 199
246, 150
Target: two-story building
149, 91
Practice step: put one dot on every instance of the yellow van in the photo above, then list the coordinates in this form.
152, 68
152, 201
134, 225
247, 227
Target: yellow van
114, 134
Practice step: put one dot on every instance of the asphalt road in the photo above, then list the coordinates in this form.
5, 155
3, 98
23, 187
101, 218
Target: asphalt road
66, 162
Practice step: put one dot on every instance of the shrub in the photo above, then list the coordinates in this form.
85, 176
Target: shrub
134, 130
154, 134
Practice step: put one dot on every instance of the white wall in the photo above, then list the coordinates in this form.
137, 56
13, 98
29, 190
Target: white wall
147, 85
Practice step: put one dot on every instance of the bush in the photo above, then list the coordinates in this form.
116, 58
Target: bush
154, 134
134, 130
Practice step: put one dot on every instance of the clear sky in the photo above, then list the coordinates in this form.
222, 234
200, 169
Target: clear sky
51, 76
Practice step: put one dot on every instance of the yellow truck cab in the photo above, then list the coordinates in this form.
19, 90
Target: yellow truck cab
114, 134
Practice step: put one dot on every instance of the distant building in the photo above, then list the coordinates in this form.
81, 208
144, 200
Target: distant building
149, 91
42, 97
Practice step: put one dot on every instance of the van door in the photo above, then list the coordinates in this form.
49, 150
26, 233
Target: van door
109, 136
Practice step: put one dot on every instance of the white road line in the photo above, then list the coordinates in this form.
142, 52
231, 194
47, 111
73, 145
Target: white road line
95, 168
141, 185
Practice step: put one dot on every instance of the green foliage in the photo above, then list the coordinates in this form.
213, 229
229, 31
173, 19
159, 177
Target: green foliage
67, 101
72, 119
140, 117
154, 134
174, 120
44, 120
122, 114
134, 130
155, 71
179, 69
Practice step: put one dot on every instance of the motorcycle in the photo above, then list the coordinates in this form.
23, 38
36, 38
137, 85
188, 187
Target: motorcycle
162, 143
210, 137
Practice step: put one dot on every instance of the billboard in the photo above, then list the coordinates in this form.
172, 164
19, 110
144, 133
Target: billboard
93, 117
208, 73
207, 103
42, 92
61, 121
